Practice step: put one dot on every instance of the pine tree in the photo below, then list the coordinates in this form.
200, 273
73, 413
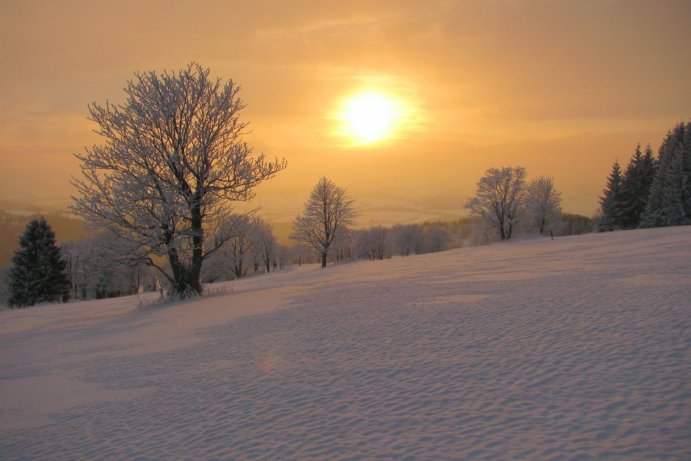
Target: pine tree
38, 272
669, 203
611, 202
635, 187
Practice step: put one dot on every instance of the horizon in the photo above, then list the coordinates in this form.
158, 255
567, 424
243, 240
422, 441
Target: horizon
562, 89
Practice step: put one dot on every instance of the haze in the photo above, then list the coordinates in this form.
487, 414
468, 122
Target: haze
562, 88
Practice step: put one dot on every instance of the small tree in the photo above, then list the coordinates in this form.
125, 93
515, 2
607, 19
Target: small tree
499, 198
172, 160
327, 213
543, 204
38, 271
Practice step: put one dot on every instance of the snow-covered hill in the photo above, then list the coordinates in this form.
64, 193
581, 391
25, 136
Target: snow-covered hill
577, 348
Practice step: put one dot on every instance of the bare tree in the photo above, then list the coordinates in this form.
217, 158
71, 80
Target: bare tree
543, 204
327, 213
265, 243
499, 198
172, 159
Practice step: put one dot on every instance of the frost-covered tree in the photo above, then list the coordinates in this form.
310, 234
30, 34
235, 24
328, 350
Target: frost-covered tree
543, 204
611, 202
635, 186
328, 212
101, 266
172, 159
239, 246
38, 270
669, 202
499, 199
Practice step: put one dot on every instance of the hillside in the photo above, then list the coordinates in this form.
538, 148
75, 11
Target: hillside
576, 348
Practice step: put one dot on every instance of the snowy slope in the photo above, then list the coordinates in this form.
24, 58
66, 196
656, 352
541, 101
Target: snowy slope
577, 348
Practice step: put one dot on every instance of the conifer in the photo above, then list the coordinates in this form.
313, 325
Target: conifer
611, 202
669, 202
38, 272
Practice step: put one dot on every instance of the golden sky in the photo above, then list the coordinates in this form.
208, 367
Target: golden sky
561, 87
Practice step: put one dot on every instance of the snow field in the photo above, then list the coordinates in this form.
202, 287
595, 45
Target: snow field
577, 348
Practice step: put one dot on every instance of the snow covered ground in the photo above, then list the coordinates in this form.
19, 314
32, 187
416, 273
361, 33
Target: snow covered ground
577, 348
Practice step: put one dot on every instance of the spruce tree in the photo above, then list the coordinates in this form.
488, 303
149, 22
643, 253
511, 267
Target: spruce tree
611, 202
669, 202
38, 271
635, 187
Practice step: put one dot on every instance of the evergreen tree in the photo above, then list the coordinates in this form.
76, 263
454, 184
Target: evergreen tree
635, 187
38, 272
611, 202
669, 203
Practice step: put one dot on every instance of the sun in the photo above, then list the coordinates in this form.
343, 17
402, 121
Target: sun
369, 117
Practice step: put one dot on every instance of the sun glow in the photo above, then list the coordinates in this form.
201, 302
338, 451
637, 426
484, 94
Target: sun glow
369, 117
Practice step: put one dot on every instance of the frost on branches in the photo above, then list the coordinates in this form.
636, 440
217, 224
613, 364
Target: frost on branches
499, 197
172, 160
328, 212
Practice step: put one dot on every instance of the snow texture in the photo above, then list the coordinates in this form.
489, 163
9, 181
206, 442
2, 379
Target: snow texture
577, 348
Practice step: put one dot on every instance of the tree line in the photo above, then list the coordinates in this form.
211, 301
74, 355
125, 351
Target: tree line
651, 191
505, 203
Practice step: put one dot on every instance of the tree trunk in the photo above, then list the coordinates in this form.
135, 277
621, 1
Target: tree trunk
184, 282
195, 270
323, 260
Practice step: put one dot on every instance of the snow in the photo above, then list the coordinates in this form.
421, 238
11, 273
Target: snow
573, 348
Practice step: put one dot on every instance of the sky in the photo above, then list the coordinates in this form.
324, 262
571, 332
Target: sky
563, 88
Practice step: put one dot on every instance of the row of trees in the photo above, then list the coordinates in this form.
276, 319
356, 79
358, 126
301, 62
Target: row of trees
324, 224
505, 202
650, 192
251, 248
102, 266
